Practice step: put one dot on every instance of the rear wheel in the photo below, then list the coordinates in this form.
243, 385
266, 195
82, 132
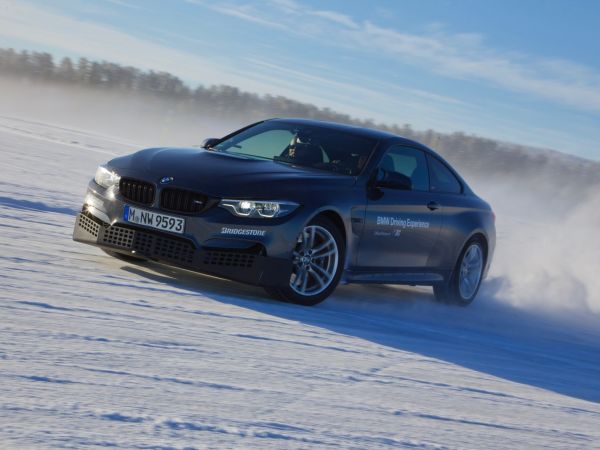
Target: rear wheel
318, 259
466, 278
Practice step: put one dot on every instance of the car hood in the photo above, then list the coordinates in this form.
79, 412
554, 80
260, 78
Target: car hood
224, 175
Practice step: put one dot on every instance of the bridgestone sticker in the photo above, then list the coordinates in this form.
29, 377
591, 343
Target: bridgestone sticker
242, 231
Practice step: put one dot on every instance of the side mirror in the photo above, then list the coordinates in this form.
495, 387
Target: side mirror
392, 180
210, 142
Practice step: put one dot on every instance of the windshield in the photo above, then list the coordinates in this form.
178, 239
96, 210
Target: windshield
302, 145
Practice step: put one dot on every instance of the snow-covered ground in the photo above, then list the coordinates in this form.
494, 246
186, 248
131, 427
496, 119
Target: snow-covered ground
96, 352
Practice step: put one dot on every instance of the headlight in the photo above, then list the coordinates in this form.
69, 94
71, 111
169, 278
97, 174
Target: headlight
105, 177
266, 209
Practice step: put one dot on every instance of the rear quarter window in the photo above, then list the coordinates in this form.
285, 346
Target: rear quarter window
441, 179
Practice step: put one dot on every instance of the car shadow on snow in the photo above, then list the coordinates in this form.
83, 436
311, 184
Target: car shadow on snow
490, 336
35, 206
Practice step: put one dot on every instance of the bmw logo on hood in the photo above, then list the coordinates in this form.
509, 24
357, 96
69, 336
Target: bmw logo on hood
166, 180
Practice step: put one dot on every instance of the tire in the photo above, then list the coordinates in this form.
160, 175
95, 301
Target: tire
318, 264
465, 281
124, 257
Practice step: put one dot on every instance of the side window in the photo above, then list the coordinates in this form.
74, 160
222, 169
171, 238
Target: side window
442, 179
409, 162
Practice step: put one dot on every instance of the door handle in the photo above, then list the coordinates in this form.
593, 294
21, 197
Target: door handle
433, 206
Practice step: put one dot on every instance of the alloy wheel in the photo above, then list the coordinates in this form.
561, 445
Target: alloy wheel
471, 269
315, 261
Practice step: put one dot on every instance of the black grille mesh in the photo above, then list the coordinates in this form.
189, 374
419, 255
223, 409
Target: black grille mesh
164, 247
137, 191
150, 244
181, 200
232, 259
118, 236
88, 225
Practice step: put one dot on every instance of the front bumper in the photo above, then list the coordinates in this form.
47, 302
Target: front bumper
248, 263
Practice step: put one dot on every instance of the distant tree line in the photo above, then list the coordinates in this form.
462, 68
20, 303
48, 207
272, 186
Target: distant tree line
221, 100
473, 154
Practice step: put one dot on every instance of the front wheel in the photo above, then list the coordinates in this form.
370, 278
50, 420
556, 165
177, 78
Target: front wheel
466, 279
318, 260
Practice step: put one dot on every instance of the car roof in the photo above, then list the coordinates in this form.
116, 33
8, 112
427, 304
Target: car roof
382, 136
353, 129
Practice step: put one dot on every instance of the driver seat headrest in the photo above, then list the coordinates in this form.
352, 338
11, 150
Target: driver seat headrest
306, 154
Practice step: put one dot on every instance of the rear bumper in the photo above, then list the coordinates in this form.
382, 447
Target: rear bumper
247, 265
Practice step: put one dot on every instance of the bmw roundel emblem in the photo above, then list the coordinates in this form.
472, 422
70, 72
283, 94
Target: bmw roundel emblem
166, 180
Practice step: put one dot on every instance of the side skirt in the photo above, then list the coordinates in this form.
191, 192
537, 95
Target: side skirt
406, 276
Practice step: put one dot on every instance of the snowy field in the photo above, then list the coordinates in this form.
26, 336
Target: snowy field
95, 352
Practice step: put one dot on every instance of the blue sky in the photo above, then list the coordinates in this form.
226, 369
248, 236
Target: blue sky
524, 71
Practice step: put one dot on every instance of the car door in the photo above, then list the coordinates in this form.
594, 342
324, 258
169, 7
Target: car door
402, 223
448, 190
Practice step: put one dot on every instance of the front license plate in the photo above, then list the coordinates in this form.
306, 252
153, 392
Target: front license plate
154, 220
